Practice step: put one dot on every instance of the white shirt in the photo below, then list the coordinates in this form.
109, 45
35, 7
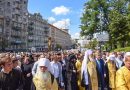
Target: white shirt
55, 69
64, 61
119, 62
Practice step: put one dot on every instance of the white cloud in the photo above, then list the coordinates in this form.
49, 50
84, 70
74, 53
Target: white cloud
61, 10
51, 19
64, 23
75, 36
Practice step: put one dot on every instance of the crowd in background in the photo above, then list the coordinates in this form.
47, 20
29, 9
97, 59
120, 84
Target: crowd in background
88, 70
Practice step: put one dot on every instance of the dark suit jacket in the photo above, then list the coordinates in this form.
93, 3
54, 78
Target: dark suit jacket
100, 71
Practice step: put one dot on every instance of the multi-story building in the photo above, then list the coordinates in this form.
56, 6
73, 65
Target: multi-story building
13, 24
60, 37
38, 32
20, 30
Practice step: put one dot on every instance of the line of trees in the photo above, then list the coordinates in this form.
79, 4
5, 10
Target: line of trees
111, 16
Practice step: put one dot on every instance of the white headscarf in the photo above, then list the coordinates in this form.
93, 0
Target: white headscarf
84, 66
126, 55
45, 62
44, 78
112, 57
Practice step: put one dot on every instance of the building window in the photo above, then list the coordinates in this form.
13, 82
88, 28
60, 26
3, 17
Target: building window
13, 9
0, 9
24, 2
14, 3
8, 3
24, 19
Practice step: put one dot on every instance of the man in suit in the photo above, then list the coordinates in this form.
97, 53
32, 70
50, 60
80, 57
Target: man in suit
64, 63
100, 70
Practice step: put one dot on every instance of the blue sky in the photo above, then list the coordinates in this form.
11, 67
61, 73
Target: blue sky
61, 13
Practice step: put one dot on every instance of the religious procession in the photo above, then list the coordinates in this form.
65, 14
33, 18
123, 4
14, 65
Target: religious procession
38, 38
88, 70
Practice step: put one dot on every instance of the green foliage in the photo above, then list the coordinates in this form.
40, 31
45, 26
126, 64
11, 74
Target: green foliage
92, 44
58, 46
112, 16
126, 49
119, 27
94, 17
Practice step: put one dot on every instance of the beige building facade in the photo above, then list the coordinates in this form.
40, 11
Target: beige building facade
20, 30
60, 37
38, 32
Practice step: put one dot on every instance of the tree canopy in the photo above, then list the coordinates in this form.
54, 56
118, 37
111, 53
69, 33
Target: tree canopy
111, 16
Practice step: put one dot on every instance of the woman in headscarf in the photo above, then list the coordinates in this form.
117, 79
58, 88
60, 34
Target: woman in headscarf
88, 71
43, 79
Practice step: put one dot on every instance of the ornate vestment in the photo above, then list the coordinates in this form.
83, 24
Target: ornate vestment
112, 74
93, 75
44, 82
123, 79
78, 66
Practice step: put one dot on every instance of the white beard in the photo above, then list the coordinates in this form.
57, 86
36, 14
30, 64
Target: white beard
44, 76
45, 79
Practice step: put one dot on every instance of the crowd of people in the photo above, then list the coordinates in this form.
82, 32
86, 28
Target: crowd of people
88, 70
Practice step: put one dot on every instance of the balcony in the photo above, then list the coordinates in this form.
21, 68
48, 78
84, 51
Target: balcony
16, 42
46, 28
17, 1
30, 37
30, 28
17, 6
30, 33
30, 40
16, 28
46, 35
15, 36
46, 31
31, 23
45, 41
17, 12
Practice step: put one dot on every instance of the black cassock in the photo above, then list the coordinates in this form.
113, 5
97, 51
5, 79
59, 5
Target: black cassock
11, 81
73, 71
27, 68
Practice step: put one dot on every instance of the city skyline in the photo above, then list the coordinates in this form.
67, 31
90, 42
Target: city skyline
60, 13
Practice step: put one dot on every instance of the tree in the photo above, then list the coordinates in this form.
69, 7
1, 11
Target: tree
118, 26
95, 17
58, 46
111, 16
92, 44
